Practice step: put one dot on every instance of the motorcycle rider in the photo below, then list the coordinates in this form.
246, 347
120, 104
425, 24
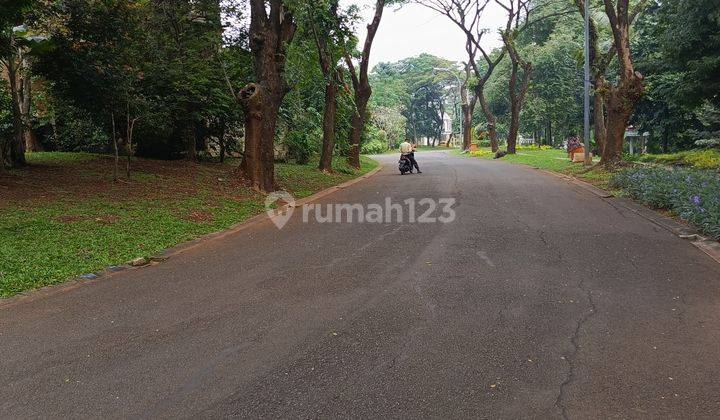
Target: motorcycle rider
408, 150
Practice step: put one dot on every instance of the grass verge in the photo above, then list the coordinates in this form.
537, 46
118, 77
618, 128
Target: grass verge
548, 159
63, 216
689, 191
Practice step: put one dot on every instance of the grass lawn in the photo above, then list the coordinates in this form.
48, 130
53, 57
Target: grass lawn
699, 159
63, 216
549, 159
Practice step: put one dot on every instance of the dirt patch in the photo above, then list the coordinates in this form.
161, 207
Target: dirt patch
199, 216
107, 220
43, 182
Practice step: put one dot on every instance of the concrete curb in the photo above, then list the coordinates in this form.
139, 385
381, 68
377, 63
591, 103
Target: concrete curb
703, 243
90, 278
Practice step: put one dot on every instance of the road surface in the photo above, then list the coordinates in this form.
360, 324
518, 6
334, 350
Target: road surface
539, 300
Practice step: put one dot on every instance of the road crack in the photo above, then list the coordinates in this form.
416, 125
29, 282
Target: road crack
570, 357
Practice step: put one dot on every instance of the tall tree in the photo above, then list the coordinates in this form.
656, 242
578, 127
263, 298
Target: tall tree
518, 15
467, 15
620, 98
361, 84
419, 87
324, 22
272, 26
14, 63
599, 62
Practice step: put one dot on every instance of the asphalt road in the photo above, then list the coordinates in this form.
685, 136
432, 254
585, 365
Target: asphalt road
540, 300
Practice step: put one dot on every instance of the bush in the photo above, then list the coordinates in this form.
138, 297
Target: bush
377, 141
701, 159
482, 153
374, 147
77, 132
300, 146
692, 194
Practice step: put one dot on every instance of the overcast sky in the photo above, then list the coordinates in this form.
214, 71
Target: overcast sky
415, 29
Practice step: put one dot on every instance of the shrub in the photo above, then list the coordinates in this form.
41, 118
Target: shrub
77, 132
482, 153
300, 145
692, 194
374, 147
701, 159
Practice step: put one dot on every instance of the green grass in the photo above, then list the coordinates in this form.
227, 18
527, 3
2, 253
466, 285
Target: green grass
301, 182
58, 158
45, 241
699, 159
554, 160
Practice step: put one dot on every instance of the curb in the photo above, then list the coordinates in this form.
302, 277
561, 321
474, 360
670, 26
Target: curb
703, 243
86, 279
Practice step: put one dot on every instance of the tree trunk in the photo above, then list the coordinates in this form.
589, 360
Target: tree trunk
620, 102
491, 127
17, 145
549, 135
514, 109
513, 129
221, 139
415, 137
326, 155
190, 142
261, 111
467, 107
31, 141
271, 28
358, 127
115, 149
329, 70
361, 85
599, 122
517, 97
467, 127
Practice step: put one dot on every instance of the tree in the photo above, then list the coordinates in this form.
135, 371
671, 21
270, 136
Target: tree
392, 122
620, 98
324, 22
676, 49
13, 59
271, 27
599, 63
518, 15
361, 85
417, 89
467, 15
555, 94
521, 70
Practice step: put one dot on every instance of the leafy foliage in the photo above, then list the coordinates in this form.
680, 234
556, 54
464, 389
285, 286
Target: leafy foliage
701, 159
692, 194
421, 88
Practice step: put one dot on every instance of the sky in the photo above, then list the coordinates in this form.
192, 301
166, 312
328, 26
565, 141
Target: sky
414, 29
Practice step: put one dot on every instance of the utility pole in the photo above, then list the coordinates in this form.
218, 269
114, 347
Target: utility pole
586, 99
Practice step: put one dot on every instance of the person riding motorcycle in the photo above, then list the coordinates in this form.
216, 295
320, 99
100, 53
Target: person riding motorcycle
408, 150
